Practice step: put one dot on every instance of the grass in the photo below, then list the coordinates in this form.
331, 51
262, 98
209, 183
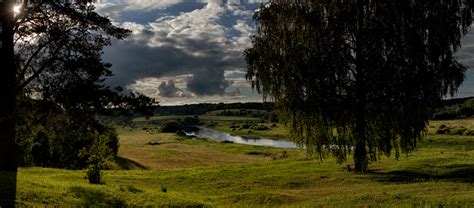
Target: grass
167, 170
164, 150
466, 122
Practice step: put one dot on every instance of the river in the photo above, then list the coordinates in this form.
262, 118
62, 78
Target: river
222, 136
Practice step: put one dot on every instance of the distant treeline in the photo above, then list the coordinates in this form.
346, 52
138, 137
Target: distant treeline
455, 108
449, 109
203, 108
455, 101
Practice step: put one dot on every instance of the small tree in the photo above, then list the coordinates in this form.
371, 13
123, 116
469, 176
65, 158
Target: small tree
98, 157
357, 75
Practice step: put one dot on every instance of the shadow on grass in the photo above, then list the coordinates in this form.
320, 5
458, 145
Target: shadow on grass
91, 197
8, 188
127, 164
456, 173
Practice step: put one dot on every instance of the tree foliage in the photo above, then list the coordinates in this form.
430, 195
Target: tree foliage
357, 75
61, 86
49, 136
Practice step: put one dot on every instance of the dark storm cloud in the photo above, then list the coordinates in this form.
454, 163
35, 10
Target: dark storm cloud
135, 61
210, 82
466, 54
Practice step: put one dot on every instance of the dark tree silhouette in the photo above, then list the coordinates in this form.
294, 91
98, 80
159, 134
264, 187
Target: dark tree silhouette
8, 88
58, 45
8, 162
357, 75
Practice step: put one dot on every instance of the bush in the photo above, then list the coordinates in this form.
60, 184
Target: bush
280, 156
170, 127
190, 120
443, 129
180, 133
260, 127
212, 124
245, 126
164, 189
273, 117
457, 131
468, 132
49, 136
98, 157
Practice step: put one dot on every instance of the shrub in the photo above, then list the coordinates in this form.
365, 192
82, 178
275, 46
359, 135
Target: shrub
245, 126
180, 133
457, 131
260, 127
164, 189
468, 132
170, 127
49, 136
212, 124
443, 129
280, 156
191, 120
273, 117
98, 157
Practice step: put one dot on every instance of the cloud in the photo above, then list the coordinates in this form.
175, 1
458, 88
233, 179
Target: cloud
135, 5
192, 42
141, 5
466, 54
168, 89
210, 82
234, 93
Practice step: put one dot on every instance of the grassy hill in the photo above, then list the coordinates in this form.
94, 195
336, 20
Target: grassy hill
166, 170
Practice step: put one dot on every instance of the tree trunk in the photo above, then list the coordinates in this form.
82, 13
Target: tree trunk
8, 158
360, 158
360, 151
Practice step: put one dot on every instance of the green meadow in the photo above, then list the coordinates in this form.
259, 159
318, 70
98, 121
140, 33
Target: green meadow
158, 169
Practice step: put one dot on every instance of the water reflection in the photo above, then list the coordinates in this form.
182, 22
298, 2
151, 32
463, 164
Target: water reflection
222, 136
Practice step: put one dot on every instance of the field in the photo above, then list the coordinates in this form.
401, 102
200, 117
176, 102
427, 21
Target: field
167, 170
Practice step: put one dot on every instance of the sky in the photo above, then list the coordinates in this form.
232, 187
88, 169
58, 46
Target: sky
191, 51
